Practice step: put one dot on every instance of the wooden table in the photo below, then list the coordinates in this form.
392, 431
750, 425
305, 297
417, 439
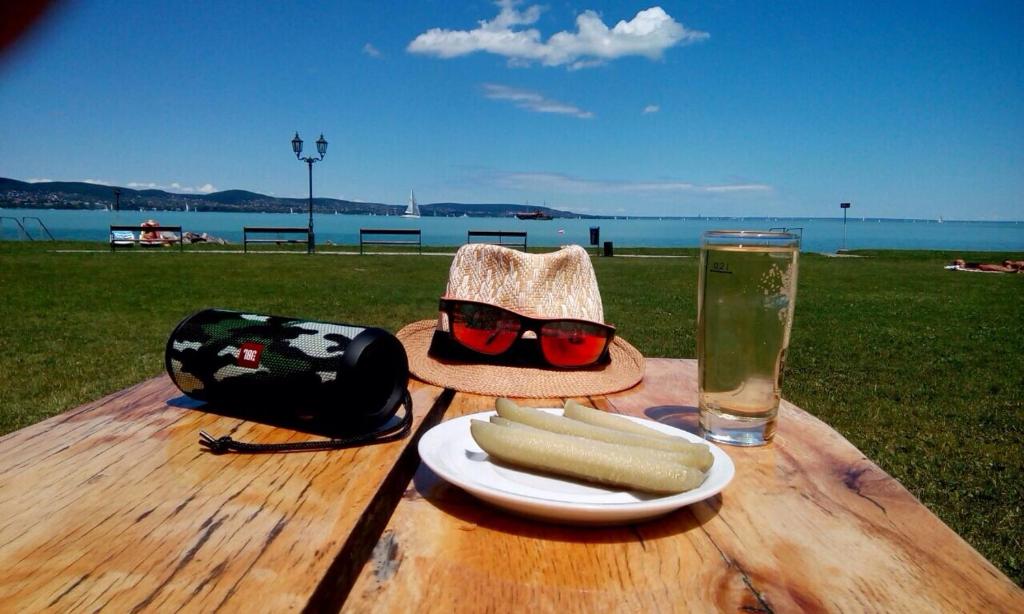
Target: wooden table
113, 506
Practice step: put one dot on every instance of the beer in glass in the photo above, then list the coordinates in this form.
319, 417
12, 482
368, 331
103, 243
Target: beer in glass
746, 295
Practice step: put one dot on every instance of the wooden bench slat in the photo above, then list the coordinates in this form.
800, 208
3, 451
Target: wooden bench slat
115, 507
500, 235
145, 228
277, 230
386, 231
363, 232
275, 241
302, 229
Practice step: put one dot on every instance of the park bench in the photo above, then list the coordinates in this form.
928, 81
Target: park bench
121, 239
278, 231
390, 232
518, 236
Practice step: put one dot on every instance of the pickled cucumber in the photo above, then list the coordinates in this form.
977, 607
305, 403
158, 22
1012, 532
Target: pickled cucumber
693, 454
585, 459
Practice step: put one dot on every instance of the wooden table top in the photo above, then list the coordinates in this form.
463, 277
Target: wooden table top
808, 523
114, 506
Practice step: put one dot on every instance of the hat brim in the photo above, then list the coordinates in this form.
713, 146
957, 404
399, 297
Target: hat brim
624, 370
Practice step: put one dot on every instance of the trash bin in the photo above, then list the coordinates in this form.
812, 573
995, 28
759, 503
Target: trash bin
595, 235
608, 249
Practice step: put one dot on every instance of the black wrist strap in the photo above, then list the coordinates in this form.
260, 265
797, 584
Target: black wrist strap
220, 445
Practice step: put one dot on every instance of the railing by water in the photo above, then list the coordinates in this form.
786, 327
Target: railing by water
15, 220
24, 220
21, 226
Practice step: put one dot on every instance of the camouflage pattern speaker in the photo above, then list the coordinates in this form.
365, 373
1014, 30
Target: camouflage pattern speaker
353, 375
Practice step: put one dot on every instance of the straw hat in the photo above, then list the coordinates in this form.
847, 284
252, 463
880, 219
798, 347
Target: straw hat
559, 284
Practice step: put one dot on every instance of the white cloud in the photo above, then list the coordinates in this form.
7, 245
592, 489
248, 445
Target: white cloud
557, 182
648, 34
651, 108
581, 64
371, 51
89, 181
533, 101
206, 188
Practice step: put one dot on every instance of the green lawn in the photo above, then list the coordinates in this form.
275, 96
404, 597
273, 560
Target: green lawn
917, 366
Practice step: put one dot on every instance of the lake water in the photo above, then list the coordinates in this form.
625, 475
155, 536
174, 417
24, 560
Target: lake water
819, 235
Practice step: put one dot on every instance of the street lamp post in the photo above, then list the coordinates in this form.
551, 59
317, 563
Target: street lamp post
844, 207
321, 148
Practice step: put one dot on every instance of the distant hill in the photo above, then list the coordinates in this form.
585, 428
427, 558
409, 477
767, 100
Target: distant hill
234, 197
80, 195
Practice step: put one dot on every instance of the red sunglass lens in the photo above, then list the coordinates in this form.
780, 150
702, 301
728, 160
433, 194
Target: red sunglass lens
572, 344
484, 329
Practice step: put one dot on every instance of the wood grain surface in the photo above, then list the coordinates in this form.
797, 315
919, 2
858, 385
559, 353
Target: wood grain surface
115, 507
808, 524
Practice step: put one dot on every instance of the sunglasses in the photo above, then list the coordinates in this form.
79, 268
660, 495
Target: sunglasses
491, 330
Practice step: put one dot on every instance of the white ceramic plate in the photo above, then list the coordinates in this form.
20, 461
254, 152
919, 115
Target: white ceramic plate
449, 450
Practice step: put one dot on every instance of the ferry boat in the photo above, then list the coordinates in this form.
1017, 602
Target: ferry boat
534, 215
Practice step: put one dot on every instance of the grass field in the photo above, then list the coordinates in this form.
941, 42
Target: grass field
918, 367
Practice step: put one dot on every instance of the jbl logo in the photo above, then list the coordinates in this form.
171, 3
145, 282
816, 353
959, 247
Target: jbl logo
249, 355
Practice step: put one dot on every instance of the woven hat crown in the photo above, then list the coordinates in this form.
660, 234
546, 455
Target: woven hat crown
558, 284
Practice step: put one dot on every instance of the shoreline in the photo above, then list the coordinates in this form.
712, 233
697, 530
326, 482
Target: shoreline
621, 251
821, 235
573, 217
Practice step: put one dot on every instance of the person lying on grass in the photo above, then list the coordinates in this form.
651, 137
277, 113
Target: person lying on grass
1008, 266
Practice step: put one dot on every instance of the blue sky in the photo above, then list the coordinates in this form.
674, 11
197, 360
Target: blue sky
642, 108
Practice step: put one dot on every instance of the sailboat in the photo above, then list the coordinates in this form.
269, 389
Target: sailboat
412, 210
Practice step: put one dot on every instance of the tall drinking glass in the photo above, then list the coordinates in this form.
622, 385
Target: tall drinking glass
746, 295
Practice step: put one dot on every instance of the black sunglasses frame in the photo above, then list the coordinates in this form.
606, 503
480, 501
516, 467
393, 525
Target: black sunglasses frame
448, 306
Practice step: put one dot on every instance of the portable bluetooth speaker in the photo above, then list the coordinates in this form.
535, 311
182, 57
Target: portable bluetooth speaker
349, 375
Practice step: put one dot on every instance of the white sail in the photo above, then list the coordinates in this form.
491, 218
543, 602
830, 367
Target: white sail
412, 210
